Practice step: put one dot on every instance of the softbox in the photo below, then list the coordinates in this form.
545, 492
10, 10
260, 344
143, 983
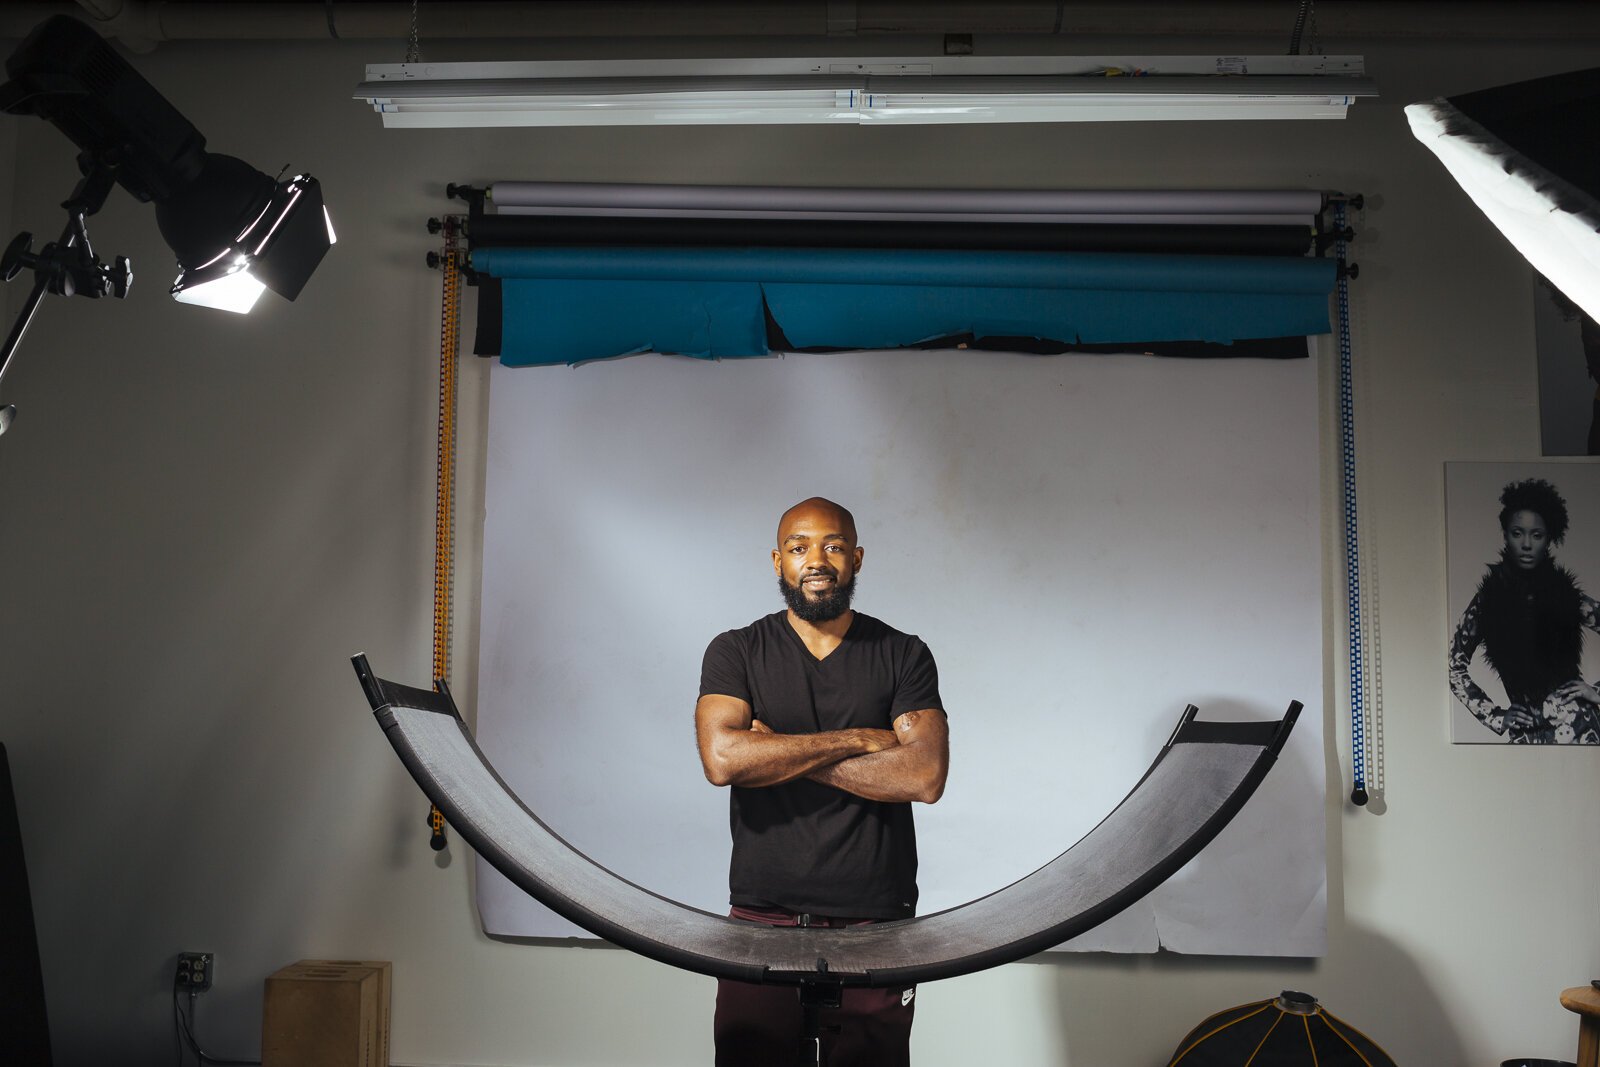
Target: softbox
1525, 155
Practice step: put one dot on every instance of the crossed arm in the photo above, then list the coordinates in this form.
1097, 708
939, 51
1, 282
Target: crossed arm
906, 763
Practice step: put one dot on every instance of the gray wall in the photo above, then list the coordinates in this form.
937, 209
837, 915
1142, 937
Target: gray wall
203, 516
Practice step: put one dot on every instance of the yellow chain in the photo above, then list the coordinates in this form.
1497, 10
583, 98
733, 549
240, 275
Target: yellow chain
444, 511
445, 503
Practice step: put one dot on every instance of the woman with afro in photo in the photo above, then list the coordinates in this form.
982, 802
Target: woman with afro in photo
1529, 616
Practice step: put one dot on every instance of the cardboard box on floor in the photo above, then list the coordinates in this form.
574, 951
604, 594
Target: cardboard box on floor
327, 1013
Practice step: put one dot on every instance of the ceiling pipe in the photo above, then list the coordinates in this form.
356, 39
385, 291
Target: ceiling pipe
143, 23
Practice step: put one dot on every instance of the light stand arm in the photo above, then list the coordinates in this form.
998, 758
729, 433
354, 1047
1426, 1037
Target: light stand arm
67, 266
40, 284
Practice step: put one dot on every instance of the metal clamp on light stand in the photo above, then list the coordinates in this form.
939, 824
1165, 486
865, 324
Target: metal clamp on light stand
66, 267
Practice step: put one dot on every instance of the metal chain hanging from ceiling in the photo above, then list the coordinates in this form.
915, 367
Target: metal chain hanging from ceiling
414, 46
1307, 15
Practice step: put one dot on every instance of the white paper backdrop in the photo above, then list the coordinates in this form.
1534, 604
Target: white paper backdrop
1086, 543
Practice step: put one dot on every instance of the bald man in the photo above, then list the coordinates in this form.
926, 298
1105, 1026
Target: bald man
827, 725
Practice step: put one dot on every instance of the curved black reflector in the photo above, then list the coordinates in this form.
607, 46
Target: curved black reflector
1197, 783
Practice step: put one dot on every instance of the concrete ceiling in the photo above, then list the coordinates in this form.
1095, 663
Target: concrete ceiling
873, 25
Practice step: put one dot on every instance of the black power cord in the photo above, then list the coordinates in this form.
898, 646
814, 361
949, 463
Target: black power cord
184, 1028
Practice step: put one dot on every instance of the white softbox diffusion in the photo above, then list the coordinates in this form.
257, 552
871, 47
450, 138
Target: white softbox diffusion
1525, 155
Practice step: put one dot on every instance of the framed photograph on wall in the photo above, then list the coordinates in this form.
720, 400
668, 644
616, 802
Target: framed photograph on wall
1524, 646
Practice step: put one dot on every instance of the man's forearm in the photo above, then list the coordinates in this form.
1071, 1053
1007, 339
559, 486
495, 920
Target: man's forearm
914, 770
756, 758
896, 775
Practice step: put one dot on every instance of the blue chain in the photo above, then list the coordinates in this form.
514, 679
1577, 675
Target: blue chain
1352, 554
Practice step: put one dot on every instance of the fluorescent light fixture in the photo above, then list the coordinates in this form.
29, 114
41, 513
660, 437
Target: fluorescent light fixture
863, 91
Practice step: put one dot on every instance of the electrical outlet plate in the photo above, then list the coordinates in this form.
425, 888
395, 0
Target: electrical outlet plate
194, 971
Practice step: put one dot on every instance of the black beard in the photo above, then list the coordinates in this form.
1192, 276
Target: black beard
823, 609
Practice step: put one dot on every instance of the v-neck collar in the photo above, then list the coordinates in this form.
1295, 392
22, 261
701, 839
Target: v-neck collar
812, 657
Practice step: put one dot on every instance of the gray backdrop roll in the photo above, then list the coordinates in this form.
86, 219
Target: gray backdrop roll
1086, 543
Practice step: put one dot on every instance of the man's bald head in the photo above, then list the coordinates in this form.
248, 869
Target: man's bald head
819, 509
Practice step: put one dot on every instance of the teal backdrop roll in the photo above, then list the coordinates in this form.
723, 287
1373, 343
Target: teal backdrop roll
571, 305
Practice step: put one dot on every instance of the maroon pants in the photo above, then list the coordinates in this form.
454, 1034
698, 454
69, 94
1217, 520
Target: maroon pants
762, 1025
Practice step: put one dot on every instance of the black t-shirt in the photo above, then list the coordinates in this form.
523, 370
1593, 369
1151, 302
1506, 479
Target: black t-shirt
801, 845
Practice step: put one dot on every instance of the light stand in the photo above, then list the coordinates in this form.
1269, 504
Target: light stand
66, 267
